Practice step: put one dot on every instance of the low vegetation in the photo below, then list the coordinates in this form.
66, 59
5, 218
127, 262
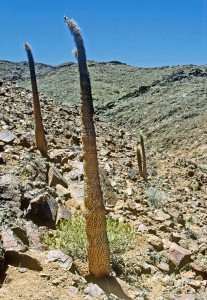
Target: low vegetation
71, 237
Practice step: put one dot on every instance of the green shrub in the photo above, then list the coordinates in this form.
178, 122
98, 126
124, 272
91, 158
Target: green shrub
71, 237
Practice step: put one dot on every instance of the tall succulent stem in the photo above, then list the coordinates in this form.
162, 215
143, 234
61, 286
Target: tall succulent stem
98, 246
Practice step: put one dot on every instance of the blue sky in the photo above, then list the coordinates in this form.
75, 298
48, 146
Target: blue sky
138, 32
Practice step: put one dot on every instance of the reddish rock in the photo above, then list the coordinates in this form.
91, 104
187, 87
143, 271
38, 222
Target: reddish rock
179, 256
200, 268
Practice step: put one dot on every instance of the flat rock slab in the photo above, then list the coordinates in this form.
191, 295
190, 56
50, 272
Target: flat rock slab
6, 136
64, 260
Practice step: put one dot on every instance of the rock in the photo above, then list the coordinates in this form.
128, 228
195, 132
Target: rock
35, 236
24, 260
10, 190
42, 209
142, 228
64, 260
195, 283
163, 267
76, 190
161, 216
155, 242
178, 256
6, 136
20, 232
63, 214
61, 191
199, 268
10, 241
22, 270
94, 290
188, 297
54, 177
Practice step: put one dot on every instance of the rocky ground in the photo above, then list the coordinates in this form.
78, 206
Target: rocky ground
169, 260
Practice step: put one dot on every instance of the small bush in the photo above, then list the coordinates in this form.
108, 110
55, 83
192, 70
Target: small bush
156, 199
71, 237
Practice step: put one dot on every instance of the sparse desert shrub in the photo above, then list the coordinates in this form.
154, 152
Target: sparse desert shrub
71, 237
156, 199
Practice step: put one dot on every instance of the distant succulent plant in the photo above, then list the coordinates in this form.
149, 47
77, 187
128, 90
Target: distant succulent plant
141, 158
39, 130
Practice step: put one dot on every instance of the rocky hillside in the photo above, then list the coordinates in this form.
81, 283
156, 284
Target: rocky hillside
169, 258
168, 104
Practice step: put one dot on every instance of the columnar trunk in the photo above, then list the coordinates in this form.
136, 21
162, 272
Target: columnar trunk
98, 246
39, 130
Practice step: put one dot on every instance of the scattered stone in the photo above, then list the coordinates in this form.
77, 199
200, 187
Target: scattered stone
155, 242
6, 136
179, 256
94, 290
22, 270
54, 177
64, 260
199, 268
63, 214
163, 267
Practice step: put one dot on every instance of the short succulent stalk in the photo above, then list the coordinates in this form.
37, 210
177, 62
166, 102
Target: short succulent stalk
144, 164
98, 246
41, 143
139, 160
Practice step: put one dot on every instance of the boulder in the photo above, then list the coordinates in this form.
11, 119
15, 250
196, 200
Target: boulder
178, 256
42, 210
